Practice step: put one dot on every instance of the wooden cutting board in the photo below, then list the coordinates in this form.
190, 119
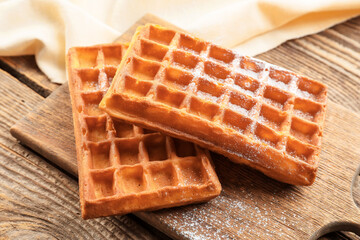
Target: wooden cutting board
251, 205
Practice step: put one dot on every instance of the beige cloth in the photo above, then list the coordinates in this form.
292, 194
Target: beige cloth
47, 28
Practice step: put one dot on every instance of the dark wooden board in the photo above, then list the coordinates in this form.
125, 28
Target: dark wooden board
24, 68
251, 205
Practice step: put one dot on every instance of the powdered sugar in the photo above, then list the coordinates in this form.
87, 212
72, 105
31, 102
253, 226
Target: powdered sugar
247, 92
231, 217
207, 96
304, 115
278, 84
238, 109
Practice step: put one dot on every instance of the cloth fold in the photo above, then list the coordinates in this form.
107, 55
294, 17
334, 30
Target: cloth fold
47, 28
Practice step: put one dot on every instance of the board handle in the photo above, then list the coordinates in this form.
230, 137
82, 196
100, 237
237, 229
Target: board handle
335, 227
352, 225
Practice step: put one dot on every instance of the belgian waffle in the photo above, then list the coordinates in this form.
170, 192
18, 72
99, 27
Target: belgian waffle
246, 109
124, 168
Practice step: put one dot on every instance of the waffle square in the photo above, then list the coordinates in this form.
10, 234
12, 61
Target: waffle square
248, 110
124, 168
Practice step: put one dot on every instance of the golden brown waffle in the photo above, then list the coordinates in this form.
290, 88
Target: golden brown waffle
246, 109
124, 168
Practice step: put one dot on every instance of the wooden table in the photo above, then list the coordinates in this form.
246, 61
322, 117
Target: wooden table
37, 199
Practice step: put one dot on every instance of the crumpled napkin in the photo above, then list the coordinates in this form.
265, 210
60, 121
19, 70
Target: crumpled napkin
47, 28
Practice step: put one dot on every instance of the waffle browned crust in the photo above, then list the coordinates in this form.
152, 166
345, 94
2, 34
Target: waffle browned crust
246, 109
124, 168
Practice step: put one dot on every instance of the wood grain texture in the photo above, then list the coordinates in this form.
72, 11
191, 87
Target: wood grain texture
24, 68
37, 200
251, 204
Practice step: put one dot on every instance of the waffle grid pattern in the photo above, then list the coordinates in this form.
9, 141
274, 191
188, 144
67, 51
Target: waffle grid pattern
120, 159
272, 107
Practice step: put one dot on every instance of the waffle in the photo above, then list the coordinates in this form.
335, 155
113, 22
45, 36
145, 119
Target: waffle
248, 110
124, 168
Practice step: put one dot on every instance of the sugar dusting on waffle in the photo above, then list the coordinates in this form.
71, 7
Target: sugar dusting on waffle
246, 109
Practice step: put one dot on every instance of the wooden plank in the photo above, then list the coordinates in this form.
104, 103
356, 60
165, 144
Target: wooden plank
25, 69
37, 200
61, 116
250, 204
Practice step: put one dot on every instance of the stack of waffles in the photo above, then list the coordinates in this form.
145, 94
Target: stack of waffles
248, 110
124, 168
